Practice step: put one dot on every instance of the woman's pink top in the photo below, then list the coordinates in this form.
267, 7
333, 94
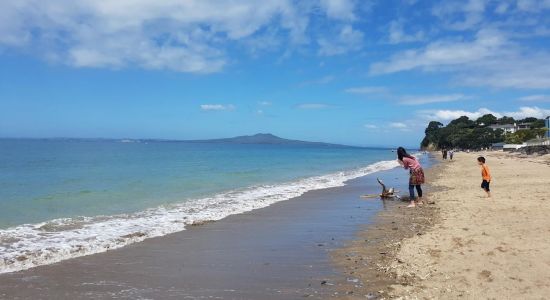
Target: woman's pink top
410, 163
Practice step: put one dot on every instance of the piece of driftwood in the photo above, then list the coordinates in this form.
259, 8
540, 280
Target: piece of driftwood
390, 193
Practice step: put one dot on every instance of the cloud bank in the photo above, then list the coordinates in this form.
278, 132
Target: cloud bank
448, 115
184, 36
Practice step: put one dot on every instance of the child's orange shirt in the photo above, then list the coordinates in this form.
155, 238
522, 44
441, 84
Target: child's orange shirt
485, 173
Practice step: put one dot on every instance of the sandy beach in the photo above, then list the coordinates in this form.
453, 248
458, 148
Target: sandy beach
332, 244
465, 246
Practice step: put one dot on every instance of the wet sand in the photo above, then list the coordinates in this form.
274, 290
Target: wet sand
278, 252
366, 261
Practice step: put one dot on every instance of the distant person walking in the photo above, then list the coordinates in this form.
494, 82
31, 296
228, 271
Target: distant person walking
416, 178
451, 153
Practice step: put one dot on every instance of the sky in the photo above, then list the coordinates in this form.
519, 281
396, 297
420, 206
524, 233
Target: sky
343, 71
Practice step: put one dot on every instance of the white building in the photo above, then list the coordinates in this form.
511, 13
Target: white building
507, 128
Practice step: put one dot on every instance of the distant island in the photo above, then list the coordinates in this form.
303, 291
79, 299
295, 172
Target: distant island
265, 138
258, 139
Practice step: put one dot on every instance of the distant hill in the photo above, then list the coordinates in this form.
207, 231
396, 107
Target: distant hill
260, 138
264, 138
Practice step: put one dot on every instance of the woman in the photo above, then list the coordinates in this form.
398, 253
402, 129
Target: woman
416, 178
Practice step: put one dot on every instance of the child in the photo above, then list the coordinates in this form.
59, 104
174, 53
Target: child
416, 178
485, 175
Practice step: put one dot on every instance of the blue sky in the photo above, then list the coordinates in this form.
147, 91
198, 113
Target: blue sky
344, 71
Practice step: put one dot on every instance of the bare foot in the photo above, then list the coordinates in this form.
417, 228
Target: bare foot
411, 205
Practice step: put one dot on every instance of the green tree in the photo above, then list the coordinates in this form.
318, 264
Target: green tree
486, 120
463, 122
506, 120
538, 124
522, 136
528, 120
432, 134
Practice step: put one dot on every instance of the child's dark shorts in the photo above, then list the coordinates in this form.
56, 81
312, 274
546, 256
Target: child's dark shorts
485, 185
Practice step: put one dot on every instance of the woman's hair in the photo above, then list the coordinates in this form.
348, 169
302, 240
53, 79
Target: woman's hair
401, 153
481, 159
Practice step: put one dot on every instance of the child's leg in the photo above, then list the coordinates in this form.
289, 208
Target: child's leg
486, 188
411, 194
419, 191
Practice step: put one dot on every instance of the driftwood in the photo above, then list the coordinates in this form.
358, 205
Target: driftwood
390, 193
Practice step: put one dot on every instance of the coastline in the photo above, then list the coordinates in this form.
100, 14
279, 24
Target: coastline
278, 252
60, 239
464, 245
368, 257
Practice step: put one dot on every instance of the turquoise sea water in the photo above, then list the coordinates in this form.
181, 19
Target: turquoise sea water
47, 179
77, 197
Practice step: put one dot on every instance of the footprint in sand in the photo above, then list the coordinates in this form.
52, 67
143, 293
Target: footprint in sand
501, 249
435, 253
486, 275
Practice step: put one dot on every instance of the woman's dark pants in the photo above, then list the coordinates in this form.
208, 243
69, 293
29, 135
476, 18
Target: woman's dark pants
418, 190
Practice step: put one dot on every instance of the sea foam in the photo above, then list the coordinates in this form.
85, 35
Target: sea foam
32, 245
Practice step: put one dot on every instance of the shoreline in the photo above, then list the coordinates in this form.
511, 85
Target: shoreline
61, 239
367, 258
277, 252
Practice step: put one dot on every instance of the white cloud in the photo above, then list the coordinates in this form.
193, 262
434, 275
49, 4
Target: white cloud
217, 107
313, 106
443, 53
459, 14
489, 60
347, 40
448, 115
185, 36
397, 125
339, 9
532, 5
526, 111
367, 90
370, 126
265, 103
536, 98
428, 99
398, 35
520, 71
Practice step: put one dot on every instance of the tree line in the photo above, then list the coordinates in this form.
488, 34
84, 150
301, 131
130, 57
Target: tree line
464, 133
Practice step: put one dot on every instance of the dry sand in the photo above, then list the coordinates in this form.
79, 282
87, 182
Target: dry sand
473, 247
484, 248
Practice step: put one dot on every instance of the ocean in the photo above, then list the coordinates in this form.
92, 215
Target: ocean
61, 199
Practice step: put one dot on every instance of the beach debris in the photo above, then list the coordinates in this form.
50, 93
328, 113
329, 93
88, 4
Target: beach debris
387, 193
371, 296
324, 282
201, 222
